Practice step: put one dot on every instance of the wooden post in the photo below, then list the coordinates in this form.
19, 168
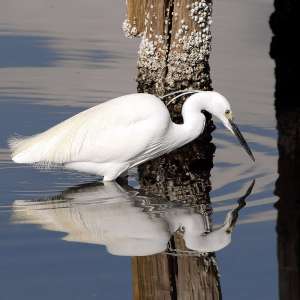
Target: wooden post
284, 23
134, 24
288, 191
196, 277
173, 55
170, 277
178, 273
176, 42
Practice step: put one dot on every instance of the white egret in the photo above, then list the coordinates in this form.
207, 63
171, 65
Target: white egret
124, 132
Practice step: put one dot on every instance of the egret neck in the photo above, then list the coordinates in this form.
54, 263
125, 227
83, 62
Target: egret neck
193, 120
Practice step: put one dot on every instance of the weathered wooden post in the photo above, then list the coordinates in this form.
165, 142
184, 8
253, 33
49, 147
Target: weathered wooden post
175, 46
173, 55
284, 23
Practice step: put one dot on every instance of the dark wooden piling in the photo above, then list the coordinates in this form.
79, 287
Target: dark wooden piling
285, 52
173, 55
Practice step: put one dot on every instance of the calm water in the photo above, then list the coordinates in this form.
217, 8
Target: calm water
57, 242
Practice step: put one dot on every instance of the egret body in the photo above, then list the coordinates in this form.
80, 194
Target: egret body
119, 134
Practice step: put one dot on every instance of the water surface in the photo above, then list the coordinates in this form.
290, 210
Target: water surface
57, 60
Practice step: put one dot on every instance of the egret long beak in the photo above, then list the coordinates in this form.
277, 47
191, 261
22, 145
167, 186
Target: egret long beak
241, 139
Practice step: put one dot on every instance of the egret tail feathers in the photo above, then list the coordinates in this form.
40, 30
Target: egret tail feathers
21, 149
32, 150
24, 149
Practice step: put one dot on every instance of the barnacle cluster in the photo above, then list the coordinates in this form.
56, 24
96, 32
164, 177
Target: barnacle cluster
152, 57
200, 12
152, 63
191, 48
130, 30
179, 54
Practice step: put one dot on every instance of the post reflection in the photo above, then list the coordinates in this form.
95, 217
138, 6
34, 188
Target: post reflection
183, 177
285, 53
129, 222
181, 274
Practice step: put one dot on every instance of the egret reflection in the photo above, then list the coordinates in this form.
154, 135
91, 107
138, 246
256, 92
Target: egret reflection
125, 221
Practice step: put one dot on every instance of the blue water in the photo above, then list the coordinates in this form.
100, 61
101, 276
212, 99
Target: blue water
49, 75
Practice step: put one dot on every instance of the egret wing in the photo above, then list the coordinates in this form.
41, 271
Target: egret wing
114, 130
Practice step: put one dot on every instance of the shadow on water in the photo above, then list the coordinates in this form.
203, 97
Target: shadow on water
178, 234
35, 51
284, 24
19, 51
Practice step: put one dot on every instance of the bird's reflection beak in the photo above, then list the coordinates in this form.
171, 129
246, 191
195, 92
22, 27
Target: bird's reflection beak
234, 214
235, 130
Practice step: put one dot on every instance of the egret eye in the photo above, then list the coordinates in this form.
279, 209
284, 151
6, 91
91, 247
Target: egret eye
181, 229
227, 111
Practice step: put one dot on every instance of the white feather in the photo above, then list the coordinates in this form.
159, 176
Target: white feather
121, 133
94, 134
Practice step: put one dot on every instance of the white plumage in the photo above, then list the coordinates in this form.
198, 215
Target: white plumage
121, 133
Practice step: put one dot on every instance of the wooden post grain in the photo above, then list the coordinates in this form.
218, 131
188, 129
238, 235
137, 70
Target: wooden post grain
173, 55
135, 22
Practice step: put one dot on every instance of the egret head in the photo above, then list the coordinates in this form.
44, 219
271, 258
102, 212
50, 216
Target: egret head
217, 105
220, 107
